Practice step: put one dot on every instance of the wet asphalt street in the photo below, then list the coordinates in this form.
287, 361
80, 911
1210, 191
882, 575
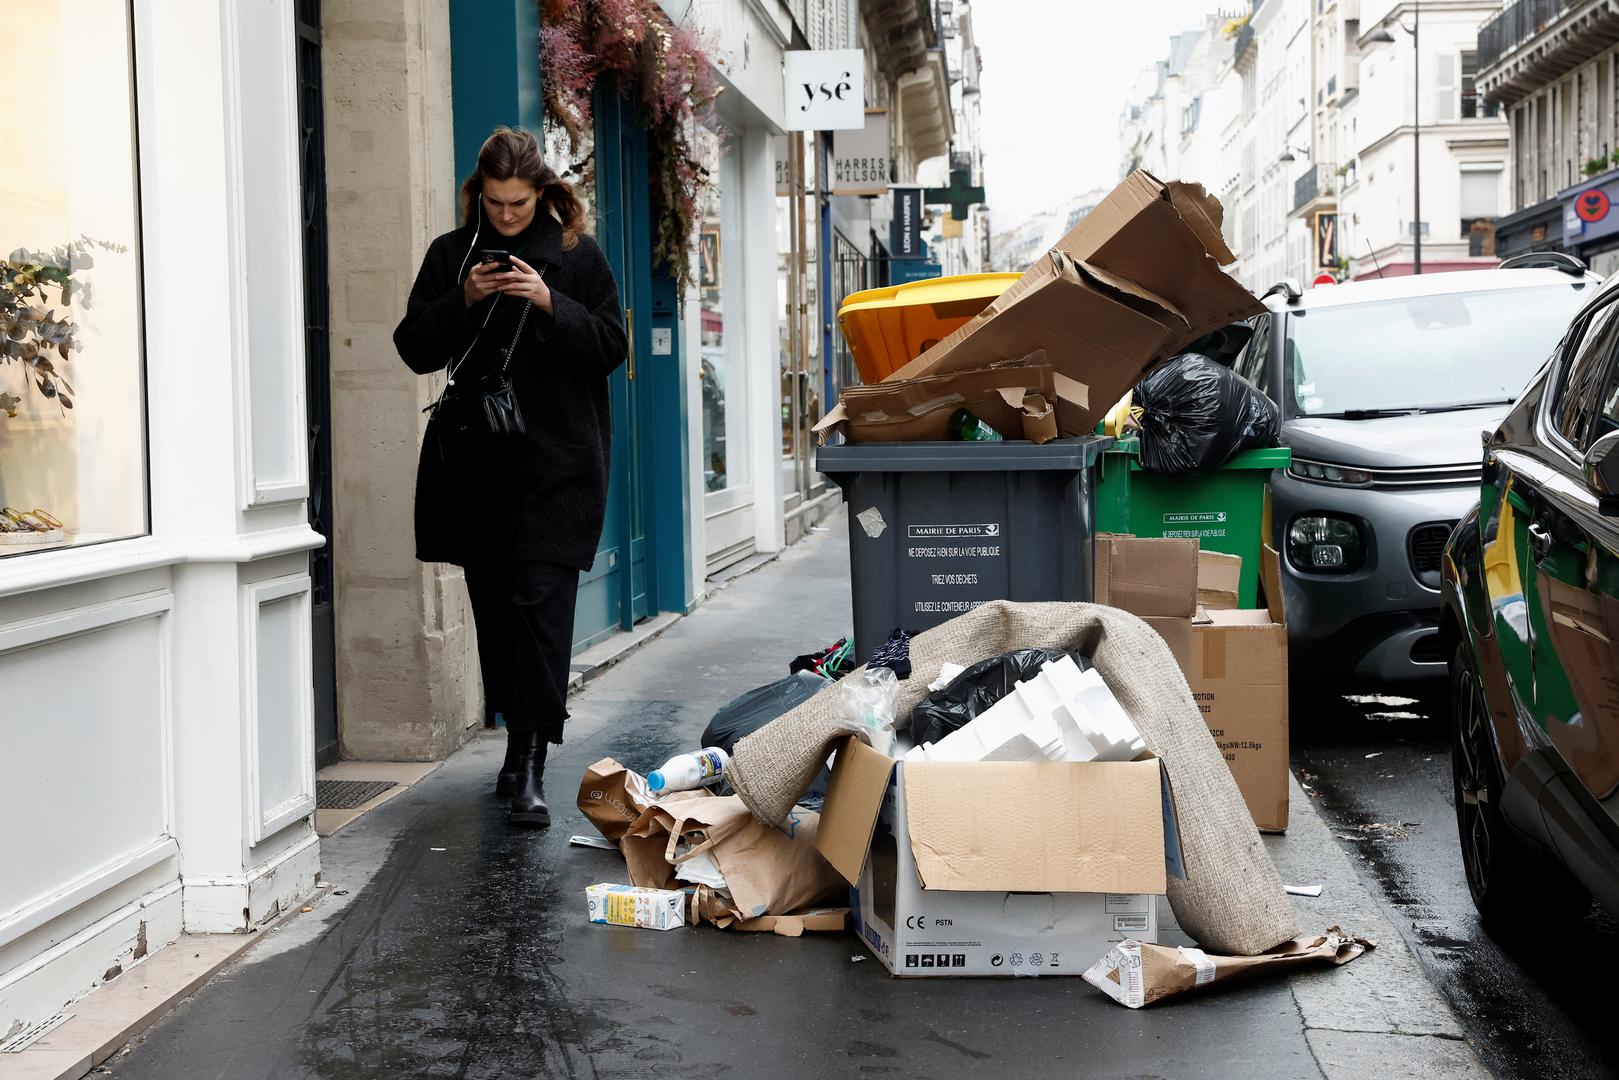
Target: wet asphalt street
1379, 772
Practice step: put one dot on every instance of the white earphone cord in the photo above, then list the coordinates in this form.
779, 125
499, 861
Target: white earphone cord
449, 380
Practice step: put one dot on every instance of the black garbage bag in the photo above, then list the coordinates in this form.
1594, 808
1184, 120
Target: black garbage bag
977, 688
1198, 415
758, 707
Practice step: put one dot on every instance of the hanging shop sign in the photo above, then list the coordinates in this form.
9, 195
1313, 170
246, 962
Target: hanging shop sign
784, 169
1326, 239
905, 231
860, 158
826, 90
1588, 214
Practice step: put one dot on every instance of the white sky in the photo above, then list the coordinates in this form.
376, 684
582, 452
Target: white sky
1055, 77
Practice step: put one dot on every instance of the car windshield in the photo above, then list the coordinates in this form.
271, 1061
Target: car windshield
1422, 353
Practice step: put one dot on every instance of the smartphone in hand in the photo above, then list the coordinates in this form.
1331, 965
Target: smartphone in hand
501, 259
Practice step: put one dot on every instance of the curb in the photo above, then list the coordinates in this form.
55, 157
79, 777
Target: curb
1379, 1015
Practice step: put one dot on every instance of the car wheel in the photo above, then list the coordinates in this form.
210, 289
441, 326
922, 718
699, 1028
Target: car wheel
1514, 886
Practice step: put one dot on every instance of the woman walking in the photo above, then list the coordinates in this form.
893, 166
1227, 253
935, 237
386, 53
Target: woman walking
519, 306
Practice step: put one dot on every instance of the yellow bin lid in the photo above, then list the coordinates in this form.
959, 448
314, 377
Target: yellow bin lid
888, 328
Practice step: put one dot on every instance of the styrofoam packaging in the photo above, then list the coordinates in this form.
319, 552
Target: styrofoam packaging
1110, 717
629, 905
1077, 745
1065, 677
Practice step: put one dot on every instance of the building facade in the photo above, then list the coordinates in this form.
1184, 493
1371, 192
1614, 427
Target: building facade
212, 470
1416, 70
155, 634
1306, 116
1553, 67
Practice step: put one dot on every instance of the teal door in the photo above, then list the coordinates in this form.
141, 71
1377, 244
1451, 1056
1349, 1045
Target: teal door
616, 593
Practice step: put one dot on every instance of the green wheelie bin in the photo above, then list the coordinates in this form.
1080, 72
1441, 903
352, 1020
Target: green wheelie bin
1225, 509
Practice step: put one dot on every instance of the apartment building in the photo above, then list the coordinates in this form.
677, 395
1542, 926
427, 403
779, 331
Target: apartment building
1552, 67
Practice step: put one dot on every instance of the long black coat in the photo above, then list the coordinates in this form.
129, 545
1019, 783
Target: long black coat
541, 496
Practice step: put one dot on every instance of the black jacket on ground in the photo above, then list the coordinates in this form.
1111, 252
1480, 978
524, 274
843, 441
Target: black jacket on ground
542, 496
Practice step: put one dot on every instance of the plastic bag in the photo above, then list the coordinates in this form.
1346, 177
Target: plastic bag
758, 707
871, 698
1198, 415
977, 688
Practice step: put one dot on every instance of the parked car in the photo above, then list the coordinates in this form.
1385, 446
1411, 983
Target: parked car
1531, 628
1384, 387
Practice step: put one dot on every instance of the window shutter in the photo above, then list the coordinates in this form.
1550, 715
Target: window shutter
1447, 91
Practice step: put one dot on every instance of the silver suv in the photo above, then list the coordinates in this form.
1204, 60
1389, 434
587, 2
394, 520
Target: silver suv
1384, 388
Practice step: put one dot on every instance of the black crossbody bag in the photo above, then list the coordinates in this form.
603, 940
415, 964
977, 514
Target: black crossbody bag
489, 406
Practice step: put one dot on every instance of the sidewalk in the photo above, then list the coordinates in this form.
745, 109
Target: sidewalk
450, 945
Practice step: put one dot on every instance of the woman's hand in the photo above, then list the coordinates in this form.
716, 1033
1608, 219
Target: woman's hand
484, 281
525, 282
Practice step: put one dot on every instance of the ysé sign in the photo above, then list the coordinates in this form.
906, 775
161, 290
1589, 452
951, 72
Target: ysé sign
826, 89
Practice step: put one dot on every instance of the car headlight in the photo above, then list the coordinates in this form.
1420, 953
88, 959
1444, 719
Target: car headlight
1329, 474
1322, 544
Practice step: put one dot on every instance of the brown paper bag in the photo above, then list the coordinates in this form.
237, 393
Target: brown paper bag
1134, 973
710, 907
767, 870
612, 797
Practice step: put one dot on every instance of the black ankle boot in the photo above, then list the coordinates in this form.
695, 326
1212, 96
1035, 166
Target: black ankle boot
528, 802
517, 745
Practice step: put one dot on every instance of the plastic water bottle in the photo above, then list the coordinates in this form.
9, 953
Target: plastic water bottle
687, 771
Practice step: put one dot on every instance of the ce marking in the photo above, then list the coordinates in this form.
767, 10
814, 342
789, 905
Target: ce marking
916, 922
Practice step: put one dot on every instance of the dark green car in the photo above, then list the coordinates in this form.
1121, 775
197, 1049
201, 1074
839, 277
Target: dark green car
1531, 627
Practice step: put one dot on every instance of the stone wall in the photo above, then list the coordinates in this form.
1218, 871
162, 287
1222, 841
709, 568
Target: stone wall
406, 660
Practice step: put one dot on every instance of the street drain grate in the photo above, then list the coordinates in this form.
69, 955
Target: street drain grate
348, 794
28, 1036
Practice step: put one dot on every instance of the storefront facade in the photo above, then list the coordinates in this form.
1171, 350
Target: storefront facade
1590, 222
155, 641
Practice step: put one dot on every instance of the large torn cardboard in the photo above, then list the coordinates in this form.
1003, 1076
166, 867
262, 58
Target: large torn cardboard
988, 868
1136, 280
1017, 400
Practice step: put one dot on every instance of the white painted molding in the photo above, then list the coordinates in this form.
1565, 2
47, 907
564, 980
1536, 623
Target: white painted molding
36, 913
73, 566
83, 620
143, 906
214, 904
260, 821
267, 328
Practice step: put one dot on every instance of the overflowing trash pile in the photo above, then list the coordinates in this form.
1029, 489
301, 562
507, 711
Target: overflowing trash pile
1005, 769
1037, 802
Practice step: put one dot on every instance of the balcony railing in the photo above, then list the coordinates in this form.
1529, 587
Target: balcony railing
1516, 25
1322, 179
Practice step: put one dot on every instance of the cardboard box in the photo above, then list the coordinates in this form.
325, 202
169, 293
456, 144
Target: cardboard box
1155, 579
1219, 580
987, 868
1235, 661
1238, 676
1132, 283
1016, 400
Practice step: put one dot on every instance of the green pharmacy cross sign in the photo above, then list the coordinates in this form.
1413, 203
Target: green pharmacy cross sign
958, 196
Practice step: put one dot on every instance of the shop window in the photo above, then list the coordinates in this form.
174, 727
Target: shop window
72, 415
720, 286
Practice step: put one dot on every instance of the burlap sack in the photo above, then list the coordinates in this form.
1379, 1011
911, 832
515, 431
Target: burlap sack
1231, 900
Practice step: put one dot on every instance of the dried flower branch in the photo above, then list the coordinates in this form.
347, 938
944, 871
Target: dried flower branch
666, 70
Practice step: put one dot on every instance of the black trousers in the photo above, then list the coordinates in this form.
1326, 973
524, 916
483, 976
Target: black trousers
524, 617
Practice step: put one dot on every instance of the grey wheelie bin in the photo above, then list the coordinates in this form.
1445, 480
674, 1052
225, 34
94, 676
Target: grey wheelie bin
938, 528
